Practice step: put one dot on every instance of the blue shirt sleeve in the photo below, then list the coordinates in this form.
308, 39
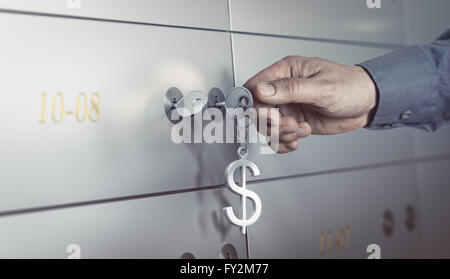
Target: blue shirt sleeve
413, 86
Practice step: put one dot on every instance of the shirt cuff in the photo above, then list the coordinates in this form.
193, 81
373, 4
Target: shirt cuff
406, 81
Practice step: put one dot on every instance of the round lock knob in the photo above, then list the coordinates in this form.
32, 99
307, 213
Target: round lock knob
239, 97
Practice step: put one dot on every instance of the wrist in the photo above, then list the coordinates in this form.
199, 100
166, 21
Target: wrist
371, 89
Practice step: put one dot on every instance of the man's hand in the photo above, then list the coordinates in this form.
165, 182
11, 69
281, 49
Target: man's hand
314, 96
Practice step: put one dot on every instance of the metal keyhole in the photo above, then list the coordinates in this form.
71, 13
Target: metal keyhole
244, 102
228, 252
388, 223
196, 102
410, 218
187, 256
171, 99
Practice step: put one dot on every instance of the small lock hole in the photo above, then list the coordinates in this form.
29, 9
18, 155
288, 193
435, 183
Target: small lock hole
197, 102
243, 102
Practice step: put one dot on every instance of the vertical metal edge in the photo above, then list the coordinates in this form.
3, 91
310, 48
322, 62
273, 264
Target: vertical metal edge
233, 69
231, 43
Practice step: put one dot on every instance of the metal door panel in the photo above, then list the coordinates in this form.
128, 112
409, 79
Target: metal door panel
432, 143
155, 227
426, 20
297, 211
434, 180
129, 150
198, 13
326, 19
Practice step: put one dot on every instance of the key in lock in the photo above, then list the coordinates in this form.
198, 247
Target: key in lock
195, 101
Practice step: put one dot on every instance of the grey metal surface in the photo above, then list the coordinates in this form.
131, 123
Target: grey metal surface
340, 20
297, 211
432, 143
318, 153
426, 20
434, 181
128, 150
194, 13
156, 227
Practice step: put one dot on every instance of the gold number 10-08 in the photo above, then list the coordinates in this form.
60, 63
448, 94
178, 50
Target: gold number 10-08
81, 107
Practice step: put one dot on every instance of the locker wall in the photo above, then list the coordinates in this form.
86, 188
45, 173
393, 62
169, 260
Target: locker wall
337, 216
434, 193
190, 13
346, 20
119, 187
128, 151
168, 226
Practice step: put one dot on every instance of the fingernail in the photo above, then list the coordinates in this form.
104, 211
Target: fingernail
266, 89
301, 133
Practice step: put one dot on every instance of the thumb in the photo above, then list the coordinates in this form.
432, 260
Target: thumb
287, 90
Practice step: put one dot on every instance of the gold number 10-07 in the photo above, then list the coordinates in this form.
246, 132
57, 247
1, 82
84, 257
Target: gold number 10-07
81, 107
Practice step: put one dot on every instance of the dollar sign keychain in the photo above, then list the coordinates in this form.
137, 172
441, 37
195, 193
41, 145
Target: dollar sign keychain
242, 164
235, 97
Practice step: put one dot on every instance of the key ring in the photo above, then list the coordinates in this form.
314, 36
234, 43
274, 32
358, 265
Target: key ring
242, 151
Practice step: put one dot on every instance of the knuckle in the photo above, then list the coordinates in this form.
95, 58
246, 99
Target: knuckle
290, 57
310, 66
280, 68
312, 60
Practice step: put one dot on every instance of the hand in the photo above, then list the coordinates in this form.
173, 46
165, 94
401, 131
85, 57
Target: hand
314, 96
